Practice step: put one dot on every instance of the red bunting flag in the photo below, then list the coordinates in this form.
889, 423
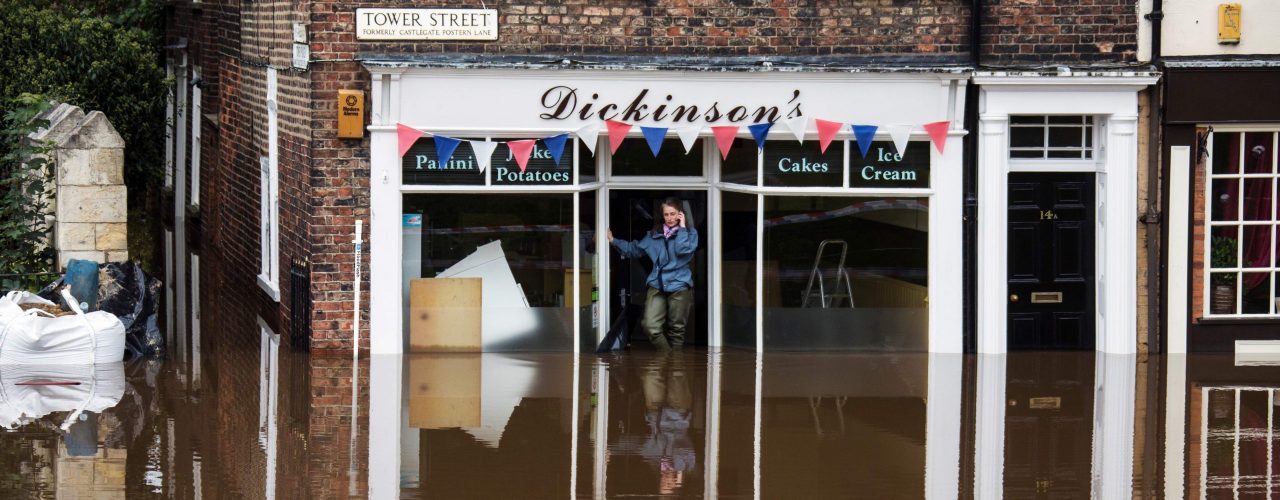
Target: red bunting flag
521, 150
617, 132
938, 133
407, 135
826, 132
725, 134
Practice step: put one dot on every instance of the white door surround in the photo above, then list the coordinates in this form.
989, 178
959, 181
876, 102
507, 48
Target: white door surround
1113, 101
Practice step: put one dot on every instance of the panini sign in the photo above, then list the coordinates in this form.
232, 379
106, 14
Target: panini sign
426, 24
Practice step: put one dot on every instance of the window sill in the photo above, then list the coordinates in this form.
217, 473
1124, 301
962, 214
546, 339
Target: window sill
1223, 320
272, 290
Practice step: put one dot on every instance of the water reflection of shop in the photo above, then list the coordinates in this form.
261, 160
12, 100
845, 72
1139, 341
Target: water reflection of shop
725, 424
889, 279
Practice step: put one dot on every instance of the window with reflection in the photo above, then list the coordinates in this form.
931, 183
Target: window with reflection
1241, 245
788, 163
634, 158
739, 217
497, 264
845, 273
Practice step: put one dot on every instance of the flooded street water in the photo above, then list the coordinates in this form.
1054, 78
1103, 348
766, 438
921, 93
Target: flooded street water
258, 421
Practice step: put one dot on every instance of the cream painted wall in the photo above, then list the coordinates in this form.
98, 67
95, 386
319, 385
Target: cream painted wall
1190, 28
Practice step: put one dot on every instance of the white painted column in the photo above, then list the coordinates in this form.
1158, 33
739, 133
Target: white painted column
1179, 220
385, 424
988, 475
946, 237
942, 426
992, 247
1113, 408
1175, 417
1121, 234
386, 328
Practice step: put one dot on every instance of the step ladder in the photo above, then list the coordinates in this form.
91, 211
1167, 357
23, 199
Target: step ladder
840, 290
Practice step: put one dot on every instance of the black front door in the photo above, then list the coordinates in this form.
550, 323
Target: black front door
1051, 261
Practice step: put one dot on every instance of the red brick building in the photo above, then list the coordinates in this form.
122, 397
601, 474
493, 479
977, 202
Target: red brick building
267, 195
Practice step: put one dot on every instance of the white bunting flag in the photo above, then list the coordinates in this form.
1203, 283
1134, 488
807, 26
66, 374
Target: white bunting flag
484, 152
900, 134
589, 134
797, 126
688, 135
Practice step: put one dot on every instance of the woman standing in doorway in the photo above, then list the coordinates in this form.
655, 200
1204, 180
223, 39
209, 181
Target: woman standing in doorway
670, 245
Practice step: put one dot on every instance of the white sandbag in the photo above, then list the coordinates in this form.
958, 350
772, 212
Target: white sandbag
32, 337
23, 397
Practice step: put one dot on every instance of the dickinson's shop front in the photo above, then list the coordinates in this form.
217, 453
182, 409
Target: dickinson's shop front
828, 205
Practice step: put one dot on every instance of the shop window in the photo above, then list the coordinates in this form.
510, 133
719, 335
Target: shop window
421, 165
743, 164
516, 248
883, 167
634, 158
740, 216
787, 163
845, 273
1046, 137
1241, 240
589, 273
269, 202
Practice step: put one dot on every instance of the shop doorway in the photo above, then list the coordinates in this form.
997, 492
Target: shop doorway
632, 213
1051, 257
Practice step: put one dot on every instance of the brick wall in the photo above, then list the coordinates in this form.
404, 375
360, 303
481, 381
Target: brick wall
1017, 32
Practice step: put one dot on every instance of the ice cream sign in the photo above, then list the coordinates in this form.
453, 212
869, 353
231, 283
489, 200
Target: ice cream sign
885, 167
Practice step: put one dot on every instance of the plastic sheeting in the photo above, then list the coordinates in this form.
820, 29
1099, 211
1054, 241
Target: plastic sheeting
32, 338
134, 297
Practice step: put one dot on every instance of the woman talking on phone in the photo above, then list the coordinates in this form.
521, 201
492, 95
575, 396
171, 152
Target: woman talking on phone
670, 245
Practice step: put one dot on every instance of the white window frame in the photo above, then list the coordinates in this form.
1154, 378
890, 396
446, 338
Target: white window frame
1270, 438
268, 401
170, 123
1208, 270
1094, 150
269, 270
196, 97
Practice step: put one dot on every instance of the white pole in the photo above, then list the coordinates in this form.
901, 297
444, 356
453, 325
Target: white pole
353, 473
355, 313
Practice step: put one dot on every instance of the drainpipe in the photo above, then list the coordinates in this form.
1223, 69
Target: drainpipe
970, 183
1156, 266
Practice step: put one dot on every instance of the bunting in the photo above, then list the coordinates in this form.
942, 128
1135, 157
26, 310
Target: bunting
900, 135
484, 153
444, 148
589, 135
797, 126
827, 131
938, 134
760, 131
725, 134
689, 136
864, 134
407, 136
521, 150
555, 146
617, 132
654, 136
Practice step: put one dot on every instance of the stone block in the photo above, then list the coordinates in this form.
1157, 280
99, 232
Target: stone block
92, 204
114, 236
90, 167
95, 256
75, 471
109, 472
76, 236
118, 256
117, 453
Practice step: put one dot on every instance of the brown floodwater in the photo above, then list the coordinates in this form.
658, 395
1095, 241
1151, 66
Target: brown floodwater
258, 421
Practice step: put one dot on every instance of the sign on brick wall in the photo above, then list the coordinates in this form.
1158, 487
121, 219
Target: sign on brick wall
426, 24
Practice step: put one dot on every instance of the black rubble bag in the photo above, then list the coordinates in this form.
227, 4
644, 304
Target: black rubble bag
127, 292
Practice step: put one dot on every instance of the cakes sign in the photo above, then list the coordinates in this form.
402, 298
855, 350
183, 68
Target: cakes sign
426, 24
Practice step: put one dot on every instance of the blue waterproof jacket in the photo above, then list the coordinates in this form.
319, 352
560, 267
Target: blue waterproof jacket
670, 257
